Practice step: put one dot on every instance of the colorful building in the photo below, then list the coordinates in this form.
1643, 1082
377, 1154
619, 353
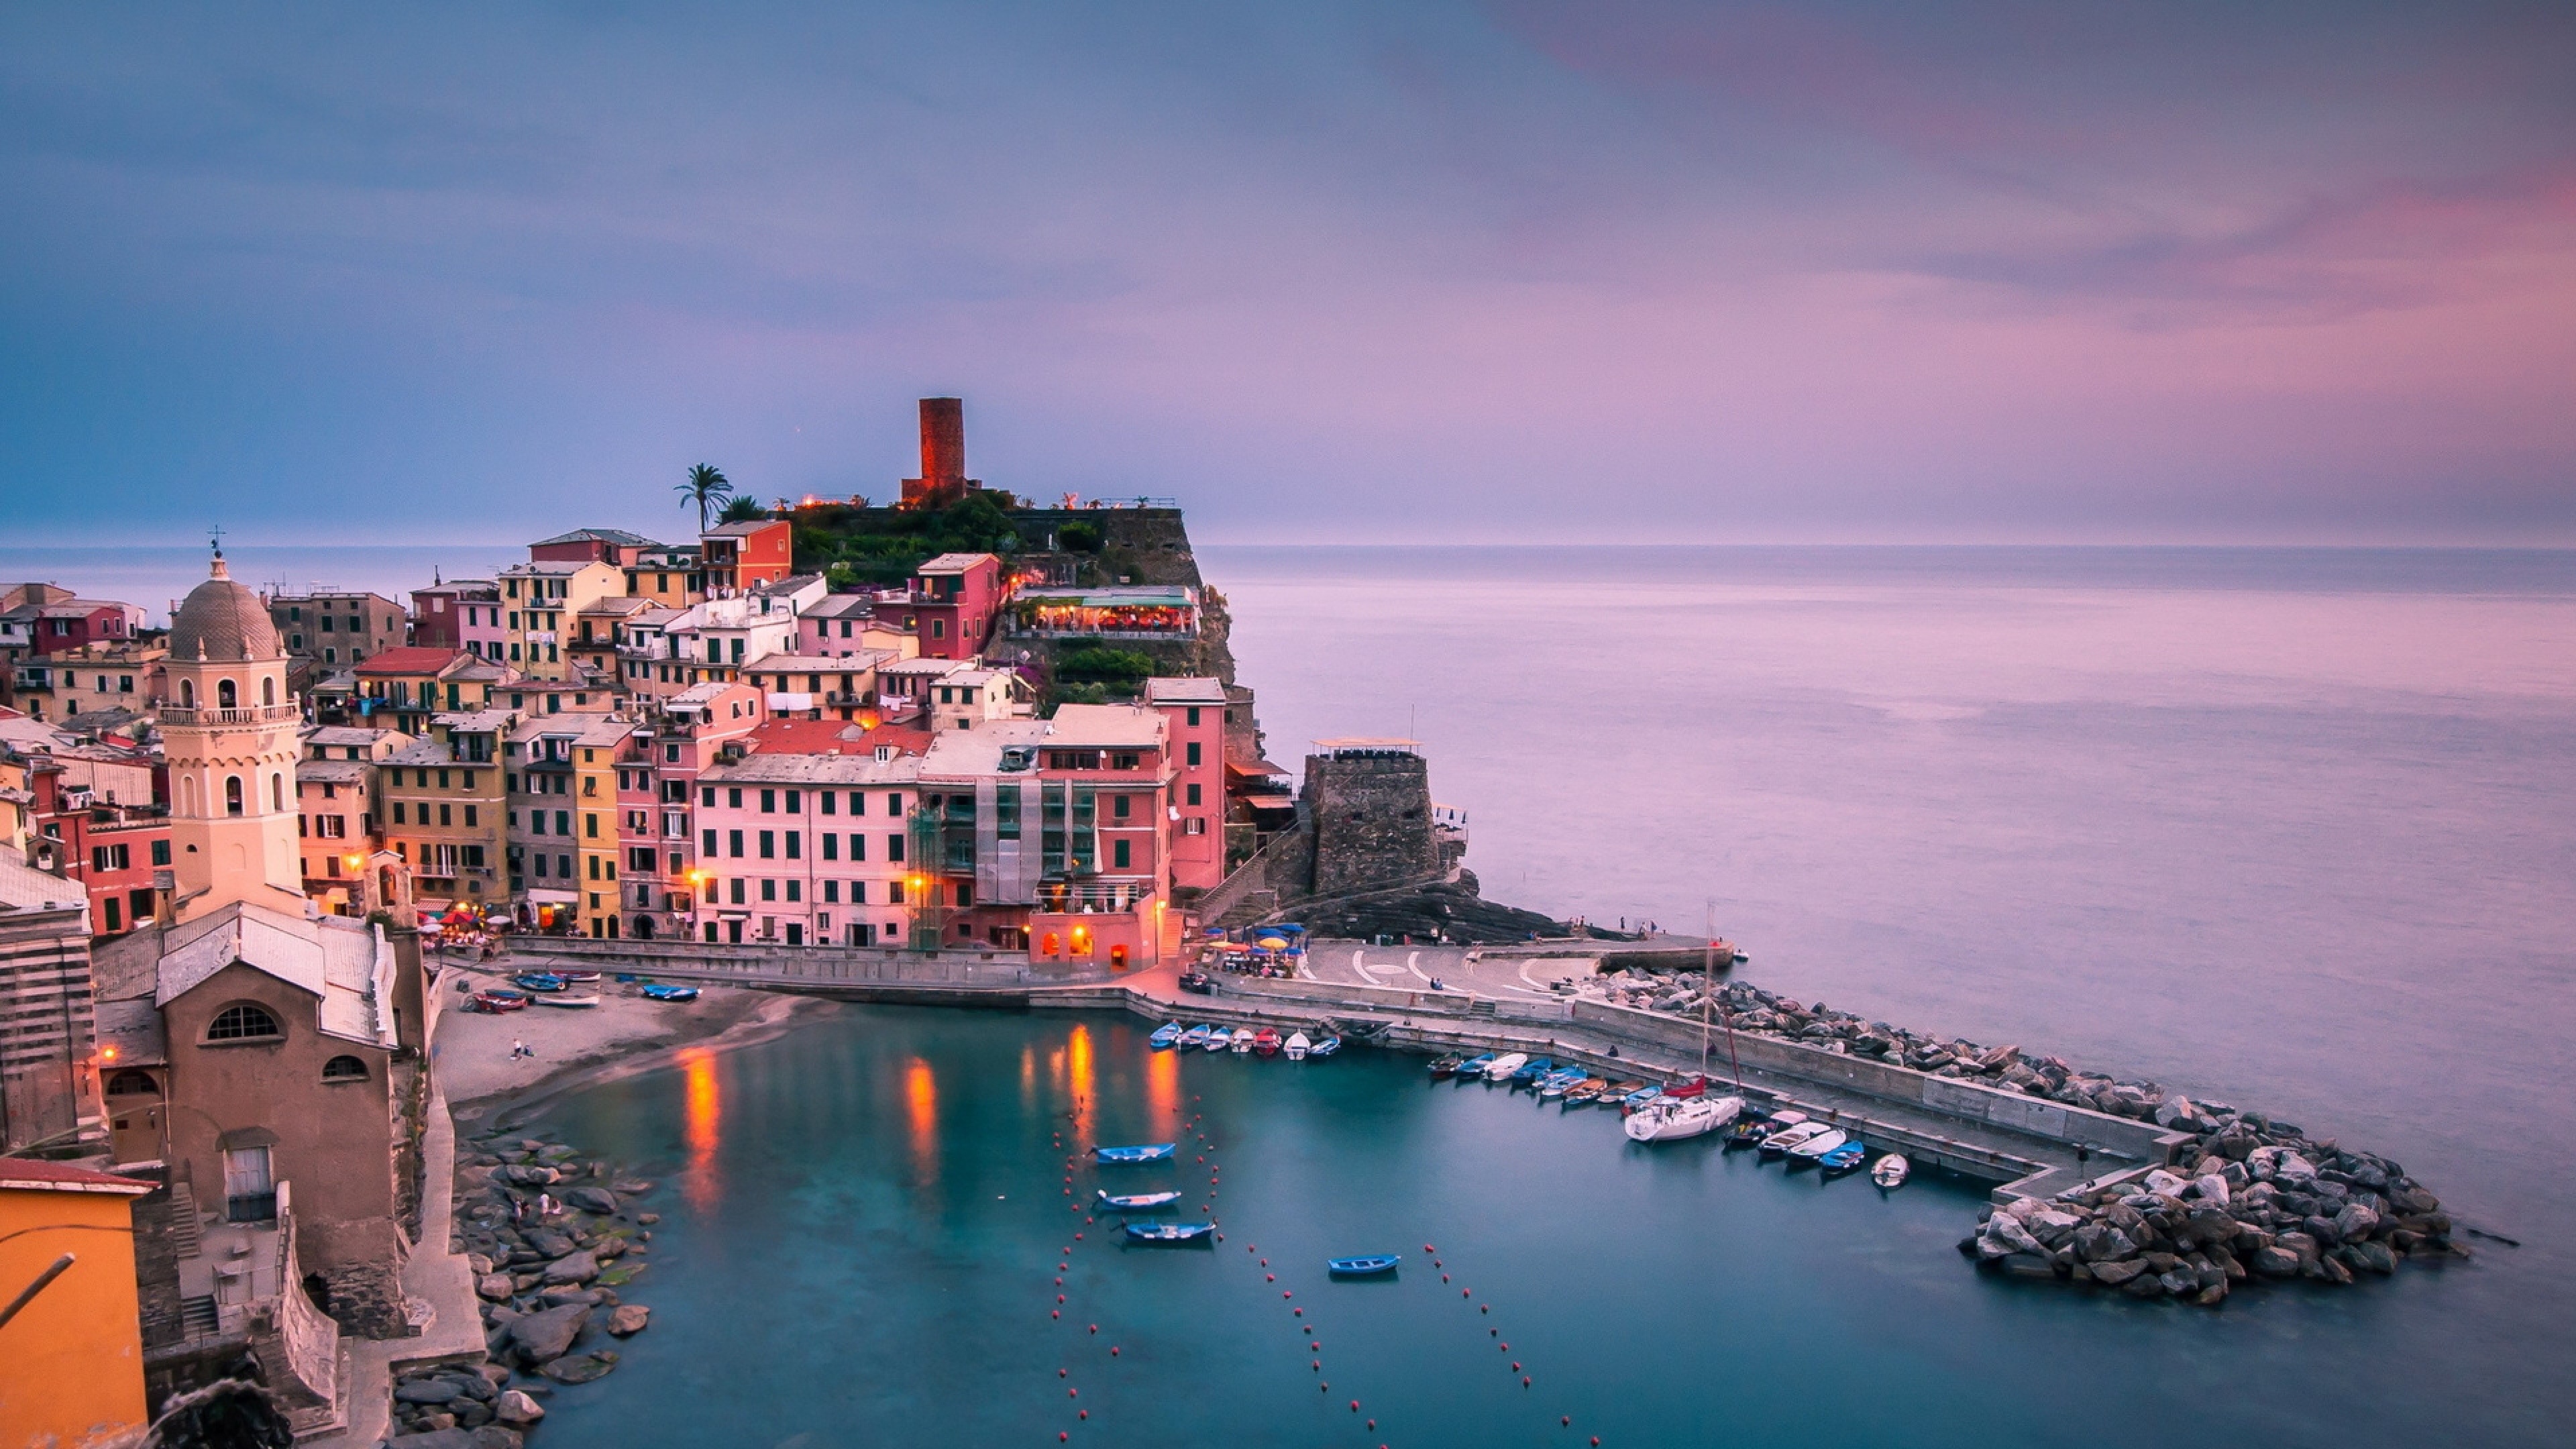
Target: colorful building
109, 850
733, 557
680, 737
49, 1054
540, 601
71, 1360
613, 546
1169, 611
954, 598
460, 614
1194, 720
802, 849
338, 626
444, 806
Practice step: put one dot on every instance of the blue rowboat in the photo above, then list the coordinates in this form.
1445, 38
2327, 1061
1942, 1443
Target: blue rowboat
1140, 1202
1324, 1048
1168, 1232
1557, 1084
1164, 1035
1195, 1036
659, 992
1363, 1265
1842, 1159
1148, 1152
1475, 1066
537, 981
1532, 1070
1639, 1098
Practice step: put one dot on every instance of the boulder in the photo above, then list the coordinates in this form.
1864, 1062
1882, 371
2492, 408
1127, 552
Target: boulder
517, 1409
2182, 1283
2355, 1224
627, 1319
2212, 1188
592, 1200
1998, 1058
2294, 1171
2113, 1274
2213, 1295
547, 1243
2165, 1184
576, 1268
2101, 1242
2370, 1257
631, 1185
2276, 1262
580, 1370
2007, 1229
547, 1335
493, 1286
2052, 1228
2145, 1285
2028, 1265
425, 1391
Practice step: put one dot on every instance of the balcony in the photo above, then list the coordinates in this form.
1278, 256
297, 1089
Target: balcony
258, 714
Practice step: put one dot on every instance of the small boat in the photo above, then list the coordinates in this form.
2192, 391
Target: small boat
1146, 1152
1194, 1037
1672, 1119
1532, 1071
1137, 1202
656, 991
537, 981
1475, 1066
1818, 1145
1777, 1144
1326, 1047
574, 1002
1164, 1036
1298, 1046
583, 978
1585, 1092
1747, 1132
1842, 1158
1636, 1097
1445, 1067
499, 998
1266, 1042
1503, 1066
1168, 1232
1557, 1084
1219, 1039
1242, 1040
1619, 1090
1890, 1171
1363, 1265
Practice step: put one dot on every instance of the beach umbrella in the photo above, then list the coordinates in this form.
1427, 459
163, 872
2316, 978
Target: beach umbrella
1274, 943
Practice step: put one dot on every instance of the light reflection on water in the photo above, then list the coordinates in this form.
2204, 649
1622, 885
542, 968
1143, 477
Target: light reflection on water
703, 1180
921, 1106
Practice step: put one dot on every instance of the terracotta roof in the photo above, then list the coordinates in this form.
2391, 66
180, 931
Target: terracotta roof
28, 1174
409, 659
833, 736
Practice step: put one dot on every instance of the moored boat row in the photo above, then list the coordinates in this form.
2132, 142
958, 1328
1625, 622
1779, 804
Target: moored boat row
1208, 1036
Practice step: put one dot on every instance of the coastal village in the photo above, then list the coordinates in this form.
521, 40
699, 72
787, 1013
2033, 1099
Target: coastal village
957, 747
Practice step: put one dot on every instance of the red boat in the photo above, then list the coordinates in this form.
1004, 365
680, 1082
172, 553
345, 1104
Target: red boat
500, 1001
1266, 1042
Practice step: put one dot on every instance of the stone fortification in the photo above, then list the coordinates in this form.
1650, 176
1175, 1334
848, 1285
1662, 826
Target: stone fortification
1369, 808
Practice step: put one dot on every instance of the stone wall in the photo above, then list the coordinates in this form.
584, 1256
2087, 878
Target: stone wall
1371, 818
156, 1260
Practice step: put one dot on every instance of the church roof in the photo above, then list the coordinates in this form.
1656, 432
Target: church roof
341, 961
222, 619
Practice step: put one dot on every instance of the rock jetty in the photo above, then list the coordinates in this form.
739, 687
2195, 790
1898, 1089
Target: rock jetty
2250, 1198
552, 1237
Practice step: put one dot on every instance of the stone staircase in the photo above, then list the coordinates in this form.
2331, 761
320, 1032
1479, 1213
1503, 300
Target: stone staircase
187, 1231
199, 1318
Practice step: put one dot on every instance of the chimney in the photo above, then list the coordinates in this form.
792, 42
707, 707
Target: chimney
943, 443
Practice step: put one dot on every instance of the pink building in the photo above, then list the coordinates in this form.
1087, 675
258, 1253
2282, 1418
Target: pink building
660, 887
805, 849
954, 599
459, 614
1193, 711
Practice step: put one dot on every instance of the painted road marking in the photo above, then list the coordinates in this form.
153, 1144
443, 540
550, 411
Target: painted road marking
1412, 963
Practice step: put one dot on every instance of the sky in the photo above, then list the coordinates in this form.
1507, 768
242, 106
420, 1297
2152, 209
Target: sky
1606, 272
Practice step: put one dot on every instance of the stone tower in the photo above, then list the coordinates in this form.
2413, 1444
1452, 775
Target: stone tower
229, 734
1369, 805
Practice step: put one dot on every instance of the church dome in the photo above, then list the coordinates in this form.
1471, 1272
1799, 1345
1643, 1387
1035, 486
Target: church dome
222, 620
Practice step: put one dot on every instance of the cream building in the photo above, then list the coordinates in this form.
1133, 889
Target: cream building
229, 734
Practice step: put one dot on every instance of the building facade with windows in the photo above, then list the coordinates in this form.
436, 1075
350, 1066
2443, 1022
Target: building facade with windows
338, 626
808, 849
540, 603
677, 740
443, 804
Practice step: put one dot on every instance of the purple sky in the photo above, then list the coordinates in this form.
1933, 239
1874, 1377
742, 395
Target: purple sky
1656, 272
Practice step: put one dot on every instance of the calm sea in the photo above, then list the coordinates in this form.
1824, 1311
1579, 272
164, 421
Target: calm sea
2290, 829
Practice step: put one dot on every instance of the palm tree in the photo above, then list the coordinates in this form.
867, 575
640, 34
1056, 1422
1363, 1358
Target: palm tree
708, 488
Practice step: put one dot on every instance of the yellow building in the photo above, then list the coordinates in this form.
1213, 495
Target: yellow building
540, 602
596, 755
71, 1359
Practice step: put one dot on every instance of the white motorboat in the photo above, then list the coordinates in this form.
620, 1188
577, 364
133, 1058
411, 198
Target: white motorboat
1243, 1036
1668, 1119
1788, 1137
1298, 1046
1890, 1171
1820, 1144
1506, 1064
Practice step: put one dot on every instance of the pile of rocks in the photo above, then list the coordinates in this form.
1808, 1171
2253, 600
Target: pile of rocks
2254, 1199
551, 1238
1750, 1009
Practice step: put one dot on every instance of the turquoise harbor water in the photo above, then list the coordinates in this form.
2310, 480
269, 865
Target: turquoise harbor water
2288, 828
861, 1224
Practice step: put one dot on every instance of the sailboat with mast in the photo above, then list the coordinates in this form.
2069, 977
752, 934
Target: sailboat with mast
1672, 1117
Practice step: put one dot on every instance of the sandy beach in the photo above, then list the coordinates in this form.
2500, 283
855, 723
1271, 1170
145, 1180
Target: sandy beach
624, 1033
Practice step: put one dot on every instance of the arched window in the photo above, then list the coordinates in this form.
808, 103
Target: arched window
242, 1023
131, 1083
344, 1069
268, 690
226, 696
277, 793
232, 795
188, 795
188, 694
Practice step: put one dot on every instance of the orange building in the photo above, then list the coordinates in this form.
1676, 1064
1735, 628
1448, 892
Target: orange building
71, 1359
